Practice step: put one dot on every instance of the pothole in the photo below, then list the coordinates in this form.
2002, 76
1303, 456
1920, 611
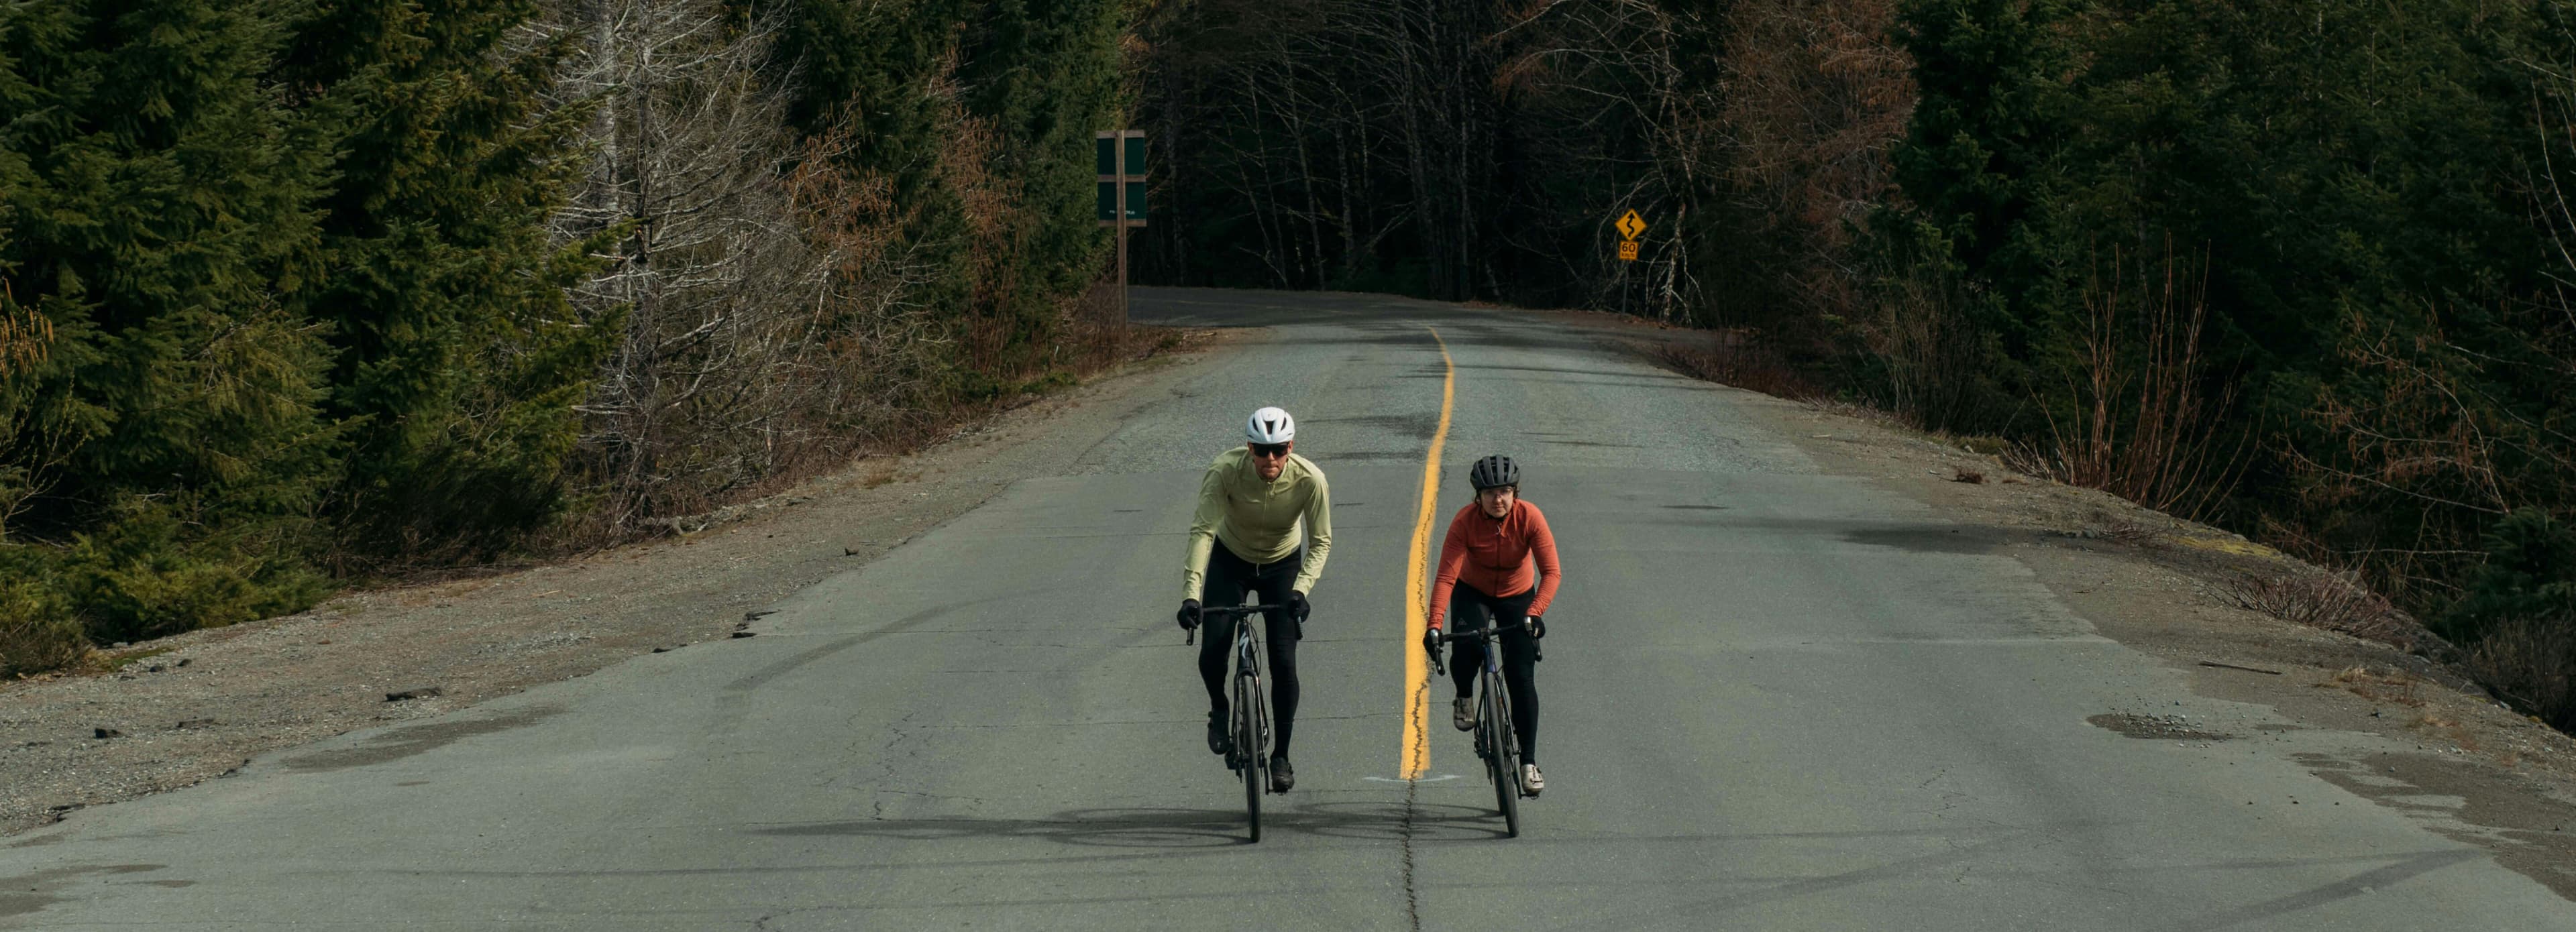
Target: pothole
2167, 727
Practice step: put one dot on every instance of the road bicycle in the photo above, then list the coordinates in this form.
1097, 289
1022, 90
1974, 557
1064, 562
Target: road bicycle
1251, 755
1496, 743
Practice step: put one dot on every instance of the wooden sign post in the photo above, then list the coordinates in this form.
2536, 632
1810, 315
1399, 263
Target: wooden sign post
1120, 155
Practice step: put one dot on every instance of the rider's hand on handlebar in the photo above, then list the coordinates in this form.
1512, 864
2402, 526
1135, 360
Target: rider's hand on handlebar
1189, 614
1431, 641
1297, 605
1536, 626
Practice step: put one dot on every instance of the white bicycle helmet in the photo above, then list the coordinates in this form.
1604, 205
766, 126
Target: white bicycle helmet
1270, 425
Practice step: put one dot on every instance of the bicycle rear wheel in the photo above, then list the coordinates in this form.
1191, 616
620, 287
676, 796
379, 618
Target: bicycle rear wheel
1247, 743
1503, 764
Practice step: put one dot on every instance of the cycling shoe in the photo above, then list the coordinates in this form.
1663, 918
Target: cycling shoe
1220, 734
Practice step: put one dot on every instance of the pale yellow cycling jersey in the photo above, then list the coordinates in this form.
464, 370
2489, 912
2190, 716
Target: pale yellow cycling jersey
1260, 521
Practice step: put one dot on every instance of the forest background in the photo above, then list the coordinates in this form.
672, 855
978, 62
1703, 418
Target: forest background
2298, 269
306, 292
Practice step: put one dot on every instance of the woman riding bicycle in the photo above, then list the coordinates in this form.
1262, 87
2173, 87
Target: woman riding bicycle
1486, 578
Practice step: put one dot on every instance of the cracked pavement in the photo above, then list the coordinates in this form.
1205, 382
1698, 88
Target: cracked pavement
1773, 698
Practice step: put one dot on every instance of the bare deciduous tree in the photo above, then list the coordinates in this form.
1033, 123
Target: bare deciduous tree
716, 279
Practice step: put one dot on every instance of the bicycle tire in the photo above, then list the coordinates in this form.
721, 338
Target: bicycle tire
1247, 743
1504, 764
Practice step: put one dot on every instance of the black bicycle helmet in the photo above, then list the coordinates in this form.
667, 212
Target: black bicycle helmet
1493, 471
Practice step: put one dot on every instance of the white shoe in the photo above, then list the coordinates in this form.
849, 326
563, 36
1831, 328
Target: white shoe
1531, 782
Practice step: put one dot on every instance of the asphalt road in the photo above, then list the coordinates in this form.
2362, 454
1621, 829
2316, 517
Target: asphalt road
1773, 700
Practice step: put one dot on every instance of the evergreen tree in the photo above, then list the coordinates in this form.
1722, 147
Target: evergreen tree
171, 433
1982, 168
1050, 73
459, 359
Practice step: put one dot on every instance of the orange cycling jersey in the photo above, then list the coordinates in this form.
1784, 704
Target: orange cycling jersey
1496, 555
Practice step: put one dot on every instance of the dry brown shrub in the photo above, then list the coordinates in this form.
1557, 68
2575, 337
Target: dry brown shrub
2142, 428
1931, 352
2321, 600
1737, 357
2531, 663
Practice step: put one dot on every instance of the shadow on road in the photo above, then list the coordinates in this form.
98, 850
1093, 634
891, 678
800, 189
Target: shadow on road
1180, 828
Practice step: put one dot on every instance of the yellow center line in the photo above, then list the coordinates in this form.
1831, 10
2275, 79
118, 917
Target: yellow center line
1417, 597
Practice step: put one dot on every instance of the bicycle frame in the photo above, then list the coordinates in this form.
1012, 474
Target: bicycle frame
1251, 709
1490, 689
1247, 676
1496, 742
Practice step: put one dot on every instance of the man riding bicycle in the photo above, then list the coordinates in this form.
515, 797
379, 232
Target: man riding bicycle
1245, 537
1486, 578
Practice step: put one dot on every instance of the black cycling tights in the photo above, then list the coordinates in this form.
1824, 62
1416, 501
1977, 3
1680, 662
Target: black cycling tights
1228, 578
1470, 610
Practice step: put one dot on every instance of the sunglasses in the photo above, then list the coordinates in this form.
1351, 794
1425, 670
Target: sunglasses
1270, 450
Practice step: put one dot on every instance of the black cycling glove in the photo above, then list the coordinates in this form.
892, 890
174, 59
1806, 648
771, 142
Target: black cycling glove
1189, 614
1297, 604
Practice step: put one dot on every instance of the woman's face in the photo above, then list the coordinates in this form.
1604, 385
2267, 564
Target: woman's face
1496, 501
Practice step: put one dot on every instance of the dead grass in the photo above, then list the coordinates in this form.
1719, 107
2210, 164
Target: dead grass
887, 473
2119, 531
2448, 729
2133, 534
2396, 687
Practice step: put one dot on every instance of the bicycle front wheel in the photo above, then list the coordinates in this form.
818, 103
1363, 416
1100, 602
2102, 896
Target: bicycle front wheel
1247, 742
1504, 763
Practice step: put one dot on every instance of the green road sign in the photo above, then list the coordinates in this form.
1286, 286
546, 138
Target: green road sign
1108, 206
1113, 176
